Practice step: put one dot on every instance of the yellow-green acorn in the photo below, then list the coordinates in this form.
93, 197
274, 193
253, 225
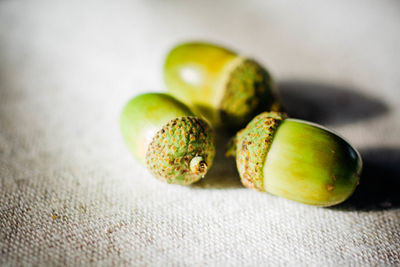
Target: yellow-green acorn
295, 159
163, 134
226, 88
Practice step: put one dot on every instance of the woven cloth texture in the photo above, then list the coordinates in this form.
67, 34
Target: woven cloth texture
71, 194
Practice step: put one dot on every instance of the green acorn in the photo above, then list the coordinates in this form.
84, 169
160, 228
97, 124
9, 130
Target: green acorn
163, 134
224, 87
295, 159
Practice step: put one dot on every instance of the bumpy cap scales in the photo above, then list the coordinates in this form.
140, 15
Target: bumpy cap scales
182, 151
251, 146
249, 90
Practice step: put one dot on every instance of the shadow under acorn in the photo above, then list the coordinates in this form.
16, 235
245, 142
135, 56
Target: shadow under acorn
223, 174
327, 104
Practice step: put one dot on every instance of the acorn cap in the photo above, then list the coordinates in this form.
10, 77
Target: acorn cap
248, 91
227, 89
251, 146
182, 151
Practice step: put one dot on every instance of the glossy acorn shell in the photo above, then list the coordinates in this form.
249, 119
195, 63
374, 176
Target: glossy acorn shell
301, 161
215, 82
310, 164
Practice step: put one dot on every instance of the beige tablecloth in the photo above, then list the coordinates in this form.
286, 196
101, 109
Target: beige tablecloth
71, 194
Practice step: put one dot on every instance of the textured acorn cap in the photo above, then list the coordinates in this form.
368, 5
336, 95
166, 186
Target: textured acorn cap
225, 88
182, 151
248, 90
251, 146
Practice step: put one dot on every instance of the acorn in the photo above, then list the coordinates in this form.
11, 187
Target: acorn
296, 159
164, 135
226, 88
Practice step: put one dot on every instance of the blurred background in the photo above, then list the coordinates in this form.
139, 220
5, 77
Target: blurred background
68, 67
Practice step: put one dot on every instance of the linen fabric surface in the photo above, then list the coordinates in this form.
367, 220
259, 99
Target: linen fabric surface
70, 192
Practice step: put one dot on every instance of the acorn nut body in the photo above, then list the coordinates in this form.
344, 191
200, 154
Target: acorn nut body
224, 87
295, 159
163, 134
